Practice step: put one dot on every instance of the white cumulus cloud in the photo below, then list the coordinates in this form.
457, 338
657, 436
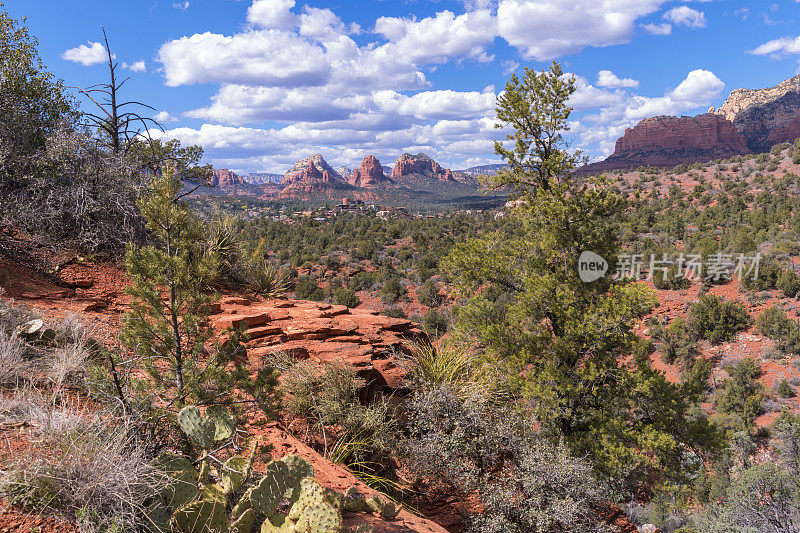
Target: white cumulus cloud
92, 54
606, 78
272, 14
686, 16
544, 29
778, 47
658, 29
136, 66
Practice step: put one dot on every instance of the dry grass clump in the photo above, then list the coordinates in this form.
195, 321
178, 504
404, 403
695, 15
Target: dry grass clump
90, 466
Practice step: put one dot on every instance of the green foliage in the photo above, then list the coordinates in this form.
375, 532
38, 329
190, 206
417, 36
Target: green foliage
167, 323
760, 498
561, 341
716, 319
428, 294
329, 399
434, 323
33, 104
306, 288
785, 390
525, 481
344, 296
392, 291
537, 108
742, 396
678, 344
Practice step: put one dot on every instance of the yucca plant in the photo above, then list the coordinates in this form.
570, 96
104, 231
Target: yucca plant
261, 275
224, 245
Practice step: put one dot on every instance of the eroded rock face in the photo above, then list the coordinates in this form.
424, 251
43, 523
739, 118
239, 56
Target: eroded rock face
420, 164
301, 170
324, 333
765, 116
369, 174
669, 141
222, 177
312, 179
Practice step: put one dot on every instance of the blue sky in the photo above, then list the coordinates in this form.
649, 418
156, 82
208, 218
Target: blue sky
262, 83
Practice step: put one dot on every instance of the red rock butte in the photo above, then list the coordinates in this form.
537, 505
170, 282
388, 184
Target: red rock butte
369, 174
420, 164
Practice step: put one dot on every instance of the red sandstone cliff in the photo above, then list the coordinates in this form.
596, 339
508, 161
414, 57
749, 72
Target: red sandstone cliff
669, 141
420, 165
223, 177
369, 174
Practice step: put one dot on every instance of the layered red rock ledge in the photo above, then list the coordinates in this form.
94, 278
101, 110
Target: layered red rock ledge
324, 333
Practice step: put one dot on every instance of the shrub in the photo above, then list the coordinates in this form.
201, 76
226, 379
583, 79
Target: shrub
94, 471
716, 319
167, 325
742, 396
524, 481
344, 296
434, 323
329, 399
774, 323
428, 294
785, 390
392, 291
306, 288
678, 345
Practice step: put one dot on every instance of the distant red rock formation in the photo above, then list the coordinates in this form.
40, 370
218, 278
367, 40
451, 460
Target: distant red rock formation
420, 164
369, 174
670, 141
301, 171
222, 177
703, 132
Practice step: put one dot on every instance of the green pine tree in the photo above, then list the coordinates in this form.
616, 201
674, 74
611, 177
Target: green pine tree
168, 326
567, 346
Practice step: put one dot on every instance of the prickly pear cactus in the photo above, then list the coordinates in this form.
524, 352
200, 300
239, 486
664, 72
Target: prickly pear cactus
201, 430
200, 516
319, 517
243, 524
224, 423
386, 510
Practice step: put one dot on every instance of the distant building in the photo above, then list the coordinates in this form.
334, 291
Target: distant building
350, 205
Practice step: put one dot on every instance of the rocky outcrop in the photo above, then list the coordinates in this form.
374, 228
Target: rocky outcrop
669, 141
345, 172
420, 165
765, 116
312, 180
324, 333
222, 177
300, 170
369, 174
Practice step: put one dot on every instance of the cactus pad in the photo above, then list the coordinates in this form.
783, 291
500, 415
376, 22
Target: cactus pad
269, 492
200, 517
199, 429
320, 518
224, 423
233, 473
243, 524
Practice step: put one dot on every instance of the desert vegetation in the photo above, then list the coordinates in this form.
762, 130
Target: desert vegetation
531, 399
